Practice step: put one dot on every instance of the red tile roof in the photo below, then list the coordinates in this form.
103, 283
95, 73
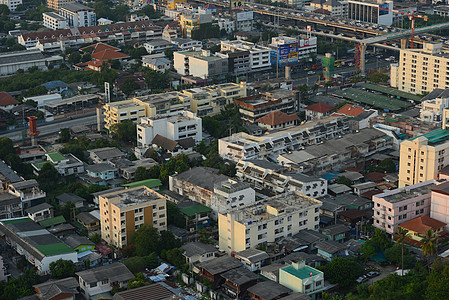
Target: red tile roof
6, 99
422, 224
320, 107
375, 176
108, 54
369, 194
277, 117
350, 110
98, 48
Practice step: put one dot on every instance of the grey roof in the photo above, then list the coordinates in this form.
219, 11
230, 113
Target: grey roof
116, 272
9, 58
330, 247
38, 207
330, 204
436, 93
52, 288
305, 237
74, 7
297, 296
105, 192
99, 168
60, 228
156, 291
253, 255
273, 268
158, 61
197, 248
203, 177
413, 113
75, 240
240, 276
350, 199
107, 152
298, 256
7, 199
25, 184
335, 229
6, 171
265, 164
220, 265
303, 177
339, 188
353, 176
86, 218
69, 197
269, 290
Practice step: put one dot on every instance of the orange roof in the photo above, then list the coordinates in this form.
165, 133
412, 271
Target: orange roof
99, 47
6, 99
422, 224
276, 118
350, 110
108, 54
320, 107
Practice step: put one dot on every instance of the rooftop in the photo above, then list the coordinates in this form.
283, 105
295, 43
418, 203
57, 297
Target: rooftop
253, 255
115, 272
133, 196
98, 168
201, 176
320, 107
302, 273
106, 153
240, 276
277, 117
220, 265
38, 208
149, 183
421, 224
155, 291
269, 290
330, 246
412, 191
197, 248
335, 229
193, 210
69, 197
75, 240
435, 137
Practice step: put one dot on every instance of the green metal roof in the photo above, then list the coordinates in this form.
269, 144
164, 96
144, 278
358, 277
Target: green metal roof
54, 249
56, 156
391, 91
52, 221
390, 120
302, 273
149, 183
372, 99
436, 136
16, 221
195, 209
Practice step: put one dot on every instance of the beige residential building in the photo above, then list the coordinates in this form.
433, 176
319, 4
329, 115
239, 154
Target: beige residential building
422, 157
57, 4
123, 212
421, 70
267, 221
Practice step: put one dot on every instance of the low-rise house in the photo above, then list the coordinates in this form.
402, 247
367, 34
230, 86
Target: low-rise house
338, 189
66, 288
302, 279
160, 64
36, 244
7, 102
155, 291
29, 192
418, 227
330, 249
127, 168
237, 281
312, 260
182, 146
276, 120
61, 230
271, 271
361, 188
355, 217
10, 206
197, 252
40, 212
305, 239
102, 171
351, 201
153, 184
65, 164
88, 221
56, 87
50, 222
213, 269
336, 232
196, 215
65, 198
79, 243
102, 279
105, 154
252, 259
268, 290
318, 110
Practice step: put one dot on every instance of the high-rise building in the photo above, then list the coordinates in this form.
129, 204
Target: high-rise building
12, 4
422, 157
123, 212
371, 11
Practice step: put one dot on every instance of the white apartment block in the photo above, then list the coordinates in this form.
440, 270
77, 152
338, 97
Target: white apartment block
231, 194
54, 21
259, 56
369, 11
175, 126
242, 146
200, 64
78, 15
422, 70
433, 106
267, 221
226, 24
264, 175
12, 4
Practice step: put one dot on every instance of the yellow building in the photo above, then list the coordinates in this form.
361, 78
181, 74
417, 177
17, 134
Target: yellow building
56, 4
123, 212
421, 70
267, 221
302, 279
205, 101
422, 157
171, 4
190, 22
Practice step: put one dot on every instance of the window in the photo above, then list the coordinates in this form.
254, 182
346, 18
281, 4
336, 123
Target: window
105, 282
92, 285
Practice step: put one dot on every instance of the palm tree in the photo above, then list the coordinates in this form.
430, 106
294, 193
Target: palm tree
401, 235
429, 244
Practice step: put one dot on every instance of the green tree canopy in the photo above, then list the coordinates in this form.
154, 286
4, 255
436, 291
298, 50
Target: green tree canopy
129, 86
343, 271
62, 269
124, 131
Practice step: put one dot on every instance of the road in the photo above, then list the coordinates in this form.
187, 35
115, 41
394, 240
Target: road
52, 127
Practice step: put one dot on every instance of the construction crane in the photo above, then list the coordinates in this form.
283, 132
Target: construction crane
411, 17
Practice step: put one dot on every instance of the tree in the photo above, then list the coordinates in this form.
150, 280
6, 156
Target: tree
169, 53
48, 174
343, 271
146, 240
401, 236
378, 77
174, 216
141, 174
344, 180
137, 281
20, 287
129, 86
74, 58
64, 135
380, 241
95, 238
400, 257
124, 131
429, 245
62, 269
139, 263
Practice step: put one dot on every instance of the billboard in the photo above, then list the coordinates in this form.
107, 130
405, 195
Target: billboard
237, 4
307, 42
382, 8
245, 16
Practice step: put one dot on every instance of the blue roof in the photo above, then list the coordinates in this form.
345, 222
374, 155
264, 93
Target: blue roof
331, 176
55, 84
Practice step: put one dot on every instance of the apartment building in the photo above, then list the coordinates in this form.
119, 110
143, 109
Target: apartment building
78, 15
54, 21
335, 7
403, 204
171, 4
371, 11
238, 61
123, 212
259, 56
230, 194
12, 4
422, 157
191, 22
433, 106
65, 164
439, 203
267, 221
422, 70
267, 176
254, 107
200, 64
242, 146
175, 126
56, 4
28, 191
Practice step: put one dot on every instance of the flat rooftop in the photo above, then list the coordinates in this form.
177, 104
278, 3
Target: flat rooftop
408, 192
132, 197
435, 137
